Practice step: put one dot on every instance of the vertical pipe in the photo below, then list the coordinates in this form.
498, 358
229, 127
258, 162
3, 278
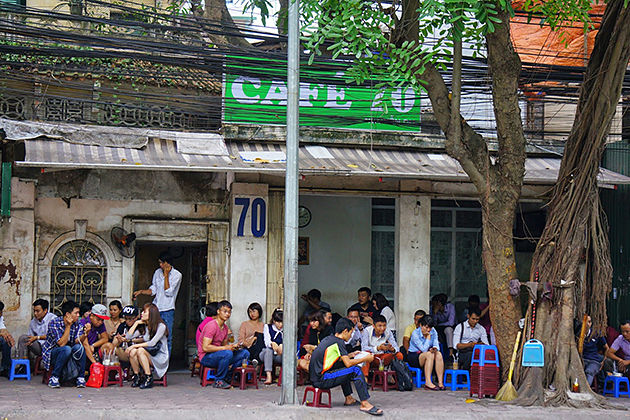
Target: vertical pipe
291, 211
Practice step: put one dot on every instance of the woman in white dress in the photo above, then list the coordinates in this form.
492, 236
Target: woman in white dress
154, 350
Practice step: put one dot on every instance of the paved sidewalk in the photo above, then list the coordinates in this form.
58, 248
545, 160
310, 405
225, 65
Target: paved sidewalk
185, 399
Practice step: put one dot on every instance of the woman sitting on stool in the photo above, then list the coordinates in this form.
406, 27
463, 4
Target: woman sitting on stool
154, 350
272, 353
424, 352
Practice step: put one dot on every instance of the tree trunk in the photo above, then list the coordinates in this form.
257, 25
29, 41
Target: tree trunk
576, 232
226, 32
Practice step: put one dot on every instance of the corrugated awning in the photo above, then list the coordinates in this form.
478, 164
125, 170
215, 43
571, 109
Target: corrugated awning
162, 154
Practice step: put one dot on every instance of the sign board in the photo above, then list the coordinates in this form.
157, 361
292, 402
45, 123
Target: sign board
335, 102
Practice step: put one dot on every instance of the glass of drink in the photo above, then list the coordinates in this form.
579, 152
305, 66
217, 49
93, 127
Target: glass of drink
244, 363
381, 366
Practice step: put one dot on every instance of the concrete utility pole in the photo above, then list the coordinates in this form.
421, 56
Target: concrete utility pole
291, 210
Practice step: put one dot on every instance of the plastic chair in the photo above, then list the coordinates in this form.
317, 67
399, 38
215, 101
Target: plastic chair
160, 381
616, 381
245, 376
118, 377
481, 353
455, 374
195, 367
208, 375
20, 362
317, 397
418, 377
380, 379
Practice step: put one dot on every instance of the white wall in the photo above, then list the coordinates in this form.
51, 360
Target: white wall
340, 249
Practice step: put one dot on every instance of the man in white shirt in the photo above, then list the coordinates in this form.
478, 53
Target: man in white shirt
32, 342
354, 344
379, 340
6, 342
164, 288
466, 335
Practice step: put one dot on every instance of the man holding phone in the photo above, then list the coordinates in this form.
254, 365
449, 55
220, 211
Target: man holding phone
215, 351
164, 288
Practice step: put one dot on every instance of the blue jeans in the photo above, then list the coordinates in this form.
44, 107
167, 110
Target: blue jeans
168, 317
223, 359
59, 356
6, 354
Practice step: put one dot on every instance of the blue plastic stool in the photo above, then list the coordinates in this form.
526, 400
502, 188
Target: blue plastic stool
418, 377
17, 362
479, 355
455, 374
616, 381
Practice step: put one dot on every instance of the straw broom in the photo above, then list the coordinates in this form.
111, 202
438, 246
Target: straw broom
507, 391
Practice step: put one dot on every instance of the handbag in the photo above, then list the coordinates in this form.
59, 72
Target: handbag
155, 349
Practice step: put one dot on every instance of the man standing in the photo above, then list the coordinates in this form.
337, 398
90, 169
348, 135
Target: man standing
165, 286
215, 351
364, 305
33, 341
331, 366
467, 335
6, 342
63, 345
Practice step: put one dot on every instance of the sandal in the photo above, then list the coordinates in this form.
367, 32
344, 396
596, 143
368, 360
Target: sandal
374, 411
442, 388
435, 388
352, 404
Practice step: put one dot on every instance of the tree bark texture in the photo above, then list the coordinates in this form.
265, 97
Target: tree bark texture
226, 32
576, 232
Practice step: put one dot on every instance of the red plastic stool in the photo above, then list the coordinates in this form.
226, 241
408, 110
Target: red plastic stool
380, 378
207, 375
195, 367
38, 369
118, 376
317, 397
245, 376
161, 381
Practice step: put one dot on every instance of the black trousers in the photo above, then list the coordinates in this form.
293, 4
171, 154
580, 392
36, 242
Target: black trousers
345, 377
464, 358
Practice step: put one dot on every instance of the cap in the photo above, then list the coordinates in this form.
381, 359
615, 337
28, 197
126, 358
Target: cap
130, 310
100, 311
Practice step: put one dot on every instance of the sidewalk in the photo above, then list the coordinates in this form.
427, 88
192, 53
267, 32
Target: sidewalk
185, 399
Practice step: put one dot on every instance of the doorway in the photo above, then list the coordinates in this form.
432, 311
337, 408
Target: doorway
191, 260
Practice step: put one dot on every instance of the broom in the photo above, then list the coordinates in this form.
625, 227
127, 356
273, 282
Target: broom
507, 391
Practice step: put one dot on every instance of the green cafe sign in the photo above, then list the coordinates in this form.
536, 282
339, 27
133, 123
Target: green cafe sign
263, 100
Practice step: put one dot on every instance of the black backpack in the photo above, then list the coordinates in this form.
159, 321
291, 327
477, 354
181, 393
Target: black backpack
403, 375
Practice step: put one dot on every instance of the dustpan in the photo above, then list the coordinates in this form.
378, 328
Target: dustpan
533, 354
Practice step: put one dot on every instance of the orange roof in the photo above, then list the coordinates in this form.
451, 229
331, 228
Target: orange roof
541, 45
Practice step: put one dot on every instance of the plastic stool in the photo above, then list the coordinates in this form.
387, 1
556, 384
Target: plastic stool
248, 376
616, 381
455, 374
208, 375
418, 377
161, 381
20, 362
317, 397
195, 367
38, 370
118, 377
380, 379
481, 353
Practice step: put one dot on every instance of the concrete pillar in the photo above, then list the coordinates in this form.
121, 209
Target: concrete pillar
413, 255
275, 253
248, 249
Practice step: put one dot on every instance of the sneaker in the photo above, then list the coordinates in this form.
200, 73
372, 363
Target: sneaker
53, 382
254, 363
81, 382
221, 384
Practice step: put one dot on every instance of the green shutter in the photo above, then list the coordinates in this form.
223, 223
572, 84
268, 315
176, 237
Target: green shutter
5, 203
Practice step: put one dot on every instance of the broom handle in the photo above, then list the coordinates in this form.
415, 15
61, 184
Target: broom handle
513, 361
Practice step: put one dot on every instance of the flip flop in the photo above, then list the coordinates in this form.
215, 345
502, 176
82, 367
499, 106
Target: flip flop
435, 388
352, 404
374, 411
442, 388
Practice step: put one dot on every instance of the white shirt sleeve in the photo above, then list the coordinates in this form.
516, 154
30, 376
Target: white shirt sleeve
484, 336
2, 326
389, 317
153, 287
267, 336
456, 334
174, 279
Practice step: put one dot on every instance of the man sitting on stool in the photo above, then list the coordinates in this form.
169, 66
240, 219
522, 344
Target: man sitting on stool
331, 366
466, 335
380, 341
33, 341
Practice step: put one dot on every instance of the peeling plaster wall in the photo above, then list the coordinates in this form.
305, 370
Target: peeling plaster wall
17, 257
58, 202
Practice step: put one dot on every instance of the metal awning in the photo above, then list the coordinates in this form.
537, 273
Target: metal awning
167, 154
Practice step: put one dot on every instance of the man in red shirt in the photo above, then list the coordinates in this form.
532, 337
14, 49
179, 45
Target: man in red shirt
215, 351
